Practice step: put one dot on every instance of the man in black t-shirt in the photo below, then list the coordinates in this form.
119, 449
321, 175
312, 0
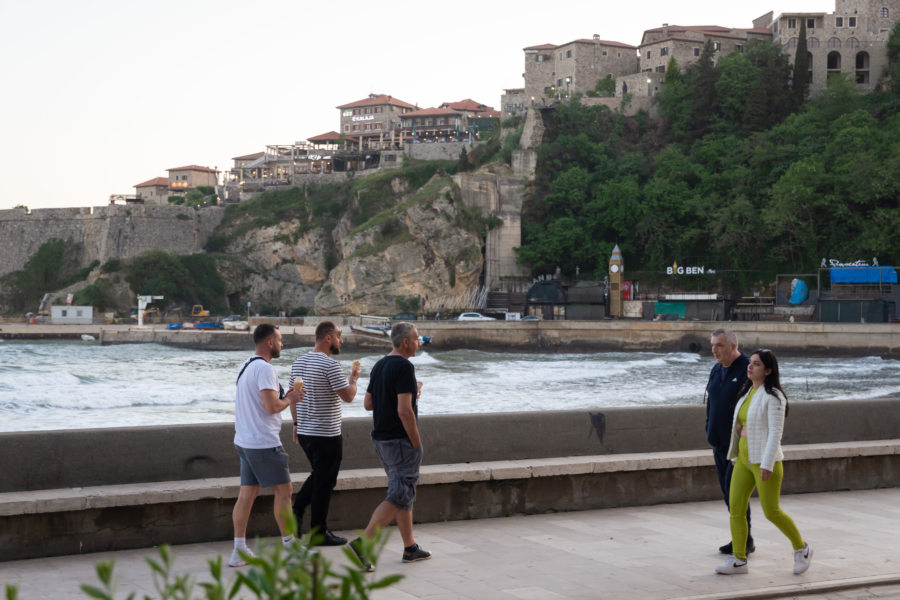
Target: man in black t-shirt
726, 379
392, 396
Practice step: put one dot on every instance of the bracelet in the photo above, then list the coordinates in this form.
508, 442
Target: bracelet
295, 423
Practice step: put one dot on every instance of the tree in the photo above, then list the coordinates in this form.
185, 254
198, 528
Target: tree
800, 79
893, 54
703, 77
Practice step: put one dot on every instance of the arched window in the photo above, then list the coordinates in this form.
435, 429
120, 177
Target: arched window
862, 68
813, 42
792, 43
852, 43
834, 43
884, 13
834, 61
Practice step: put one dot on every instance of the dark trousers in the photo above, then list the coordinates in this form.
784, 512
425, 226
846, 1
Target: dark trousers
724, 468
324, 454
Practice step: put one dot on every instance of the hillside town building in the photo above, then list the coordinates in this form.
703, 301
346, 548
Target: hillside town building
153, 191
555, 72
372, 122
851, 41
182, 179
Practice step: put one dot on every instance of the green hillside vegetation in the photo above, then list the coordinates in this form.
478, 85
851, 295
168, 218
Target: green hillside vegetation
741, 174
55, 265
182, 279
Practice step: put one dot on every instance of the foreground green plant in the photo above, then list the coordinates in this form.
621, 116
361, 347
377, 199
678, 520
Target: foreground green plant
298, 571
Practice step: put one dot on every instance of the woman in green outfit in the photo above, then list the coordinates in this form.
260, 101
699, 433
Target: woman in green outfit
756, 452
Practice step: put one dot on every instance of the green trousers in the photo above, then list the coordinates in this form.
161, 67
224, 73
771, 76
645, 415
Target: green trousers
744, 479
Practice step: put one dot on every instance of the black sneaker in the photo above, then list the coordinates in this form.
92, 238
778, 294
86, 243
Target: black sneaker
329, 539
415, 553
727, 548
365, 564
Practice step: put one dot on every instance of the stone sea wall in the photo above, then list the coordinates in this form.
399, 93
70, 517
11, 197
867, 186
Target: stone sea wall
105, 232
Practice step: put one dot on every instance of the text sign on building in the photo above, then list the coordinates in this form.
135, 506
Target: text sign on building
677, 269
364, 118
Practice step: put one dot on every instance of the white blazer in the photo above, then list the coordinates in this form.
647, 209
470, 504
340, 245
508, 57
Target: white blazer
765, 424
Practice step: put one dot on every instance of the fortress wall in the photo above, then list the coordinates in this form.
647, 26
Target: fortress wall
105, 232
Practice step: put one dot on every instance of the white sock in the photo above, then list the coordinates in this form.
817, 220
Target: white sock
240, 543
287, 539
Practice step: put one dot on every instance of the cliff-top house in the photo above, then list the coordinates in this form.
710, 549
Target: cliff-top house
852, 40
155, 191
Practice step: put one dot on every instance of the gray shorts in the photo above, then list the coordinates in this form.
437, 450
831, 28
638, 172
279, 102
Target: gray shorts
401, 463
264, 467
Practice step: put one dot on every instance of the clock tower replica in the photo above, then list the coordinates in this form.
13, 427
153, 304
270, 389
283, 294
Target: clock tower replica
616, 276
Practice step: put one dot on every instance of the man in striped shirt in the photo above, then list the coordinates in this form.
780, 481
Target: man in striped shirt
317, 425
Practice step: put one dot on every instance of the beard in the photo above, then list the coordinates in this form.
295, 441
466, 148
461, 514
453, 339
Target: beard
276, 352
335, 349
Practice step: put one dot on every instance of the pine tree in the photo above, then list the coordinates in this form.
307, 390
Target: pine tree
703, 77
800, 84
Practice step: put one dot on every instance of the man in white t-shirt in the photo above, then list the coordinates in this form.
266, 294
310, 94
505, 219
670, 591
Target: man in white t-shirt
317, 425
258, 404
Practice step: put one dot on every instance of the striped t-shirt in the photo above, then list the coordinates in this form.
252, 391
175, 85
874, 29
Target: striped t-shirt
320, 412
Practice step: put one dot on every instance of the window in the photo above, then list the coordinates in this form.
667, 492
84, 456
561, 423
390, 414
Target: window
792, 23
64, 313
346, 128
560, 56
813, 42
884, 13
649, 53
739, 48
603, 53
862, 65
839, 21
792, 43
717, 46
852, 43
661, 69
834, 43
834, 61
664, 51
568, 54
810, 23
356, 128
559, 83
696, 51
851, 21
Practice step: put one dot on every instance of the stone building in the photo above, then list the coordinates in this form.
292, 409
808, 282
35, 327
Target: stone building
554, 72
513, 102
182, 179
153, 191
685, 43
852, 40
370, 122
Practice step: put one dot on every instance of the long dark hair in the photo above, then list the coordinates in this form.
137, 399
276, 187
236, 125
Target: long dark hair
772, 381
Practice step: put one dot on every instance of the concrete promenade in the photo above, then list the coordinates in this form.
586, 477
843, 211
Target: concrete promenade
652, 552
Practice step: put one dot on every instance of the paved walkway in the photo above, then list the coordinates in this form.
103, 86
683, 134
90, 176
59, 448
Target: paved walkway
665, 551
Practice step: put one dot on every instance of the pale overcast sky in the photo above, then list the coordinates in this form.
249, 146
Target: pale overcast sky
98, 95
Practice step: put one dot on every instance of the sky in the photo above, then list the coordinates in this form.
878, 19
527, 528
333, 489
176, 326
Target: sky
97, 96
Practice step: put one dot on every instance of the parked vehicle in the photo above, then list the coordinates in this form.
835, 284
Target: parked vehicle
473, 316
530, 318
199, 311
404, 317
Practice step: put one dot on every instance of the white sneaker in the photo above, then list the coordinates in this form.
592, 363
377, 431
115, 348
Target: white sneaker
733, 566
237, 560
802, 558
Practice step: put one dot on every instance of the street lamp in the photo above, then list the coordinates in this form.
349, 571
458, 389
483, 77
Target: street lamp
568, 83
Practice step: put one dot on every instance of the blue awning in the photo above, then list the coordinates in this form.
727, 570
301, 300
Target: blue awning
863, 275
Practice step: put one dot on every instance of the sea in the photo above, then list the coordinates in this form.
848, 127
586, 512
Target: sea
81, 385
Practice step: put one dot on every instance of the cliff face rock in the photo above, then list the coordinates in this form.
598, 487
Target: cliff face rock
421, 249
276, 267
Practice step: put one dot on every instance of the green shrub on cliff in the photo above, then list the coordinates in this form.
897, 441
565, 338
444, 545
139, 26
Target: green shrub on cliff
99, 294
188, 279
52, 267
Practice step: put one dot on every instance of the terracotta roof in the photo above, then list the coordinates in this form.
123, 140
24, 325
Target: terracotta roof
253, 156
757, 30
541, 47
193, 168
581, 41
156, 181
700, 28
375, 100
467, 104
431, 112
331, 136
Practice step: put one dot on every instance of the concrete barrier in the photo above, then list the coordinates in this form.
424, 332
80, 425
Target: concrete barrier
83, 491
